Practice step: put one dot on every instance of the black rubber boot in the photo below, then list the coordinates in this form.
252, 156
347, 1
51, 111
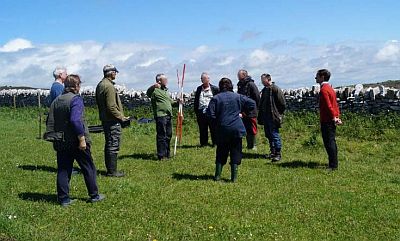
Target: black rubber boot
111, 165
251, 142
218, 171
234, 172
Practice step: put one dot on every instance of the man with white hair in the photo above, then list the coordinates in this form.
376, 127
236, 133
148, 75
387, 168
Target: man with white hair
57, 88
203, 95
111, 114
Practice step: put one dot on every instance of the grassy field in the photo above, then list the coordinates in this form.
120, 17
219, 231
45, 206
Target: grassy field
295, 199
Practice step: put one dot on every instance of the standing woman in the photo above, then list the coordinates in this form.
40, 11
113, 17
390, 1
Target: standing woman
224, 111
70, 136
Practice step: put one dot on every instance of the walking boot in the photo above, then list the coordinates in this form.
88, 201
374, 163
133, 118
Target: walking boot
272, 154
218, 171
112, 166
277, 157
234, 172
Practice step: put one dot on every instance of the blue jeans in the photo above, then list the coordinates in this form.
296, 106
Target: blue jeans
272, 134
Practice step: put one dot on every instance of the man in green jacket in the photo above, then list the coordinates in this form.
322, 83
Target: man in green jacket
111, 114
162, 110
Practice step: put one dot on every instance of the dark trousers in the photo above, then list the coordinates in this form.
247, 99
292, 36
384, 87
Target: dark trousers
112, 137
232, 147
272, 133
204, 124
65, 160
164, 134
328, 131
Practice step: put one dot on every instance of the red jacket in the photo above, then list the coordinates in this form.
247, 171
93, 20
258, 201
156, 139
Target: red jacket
328, 107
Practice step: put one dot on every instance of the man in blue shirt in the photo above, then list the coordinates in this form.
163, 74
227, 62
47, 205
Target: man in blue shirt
60, 74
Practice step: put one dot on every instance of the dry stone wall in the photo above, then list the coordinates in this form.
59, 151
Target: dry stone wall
356, 99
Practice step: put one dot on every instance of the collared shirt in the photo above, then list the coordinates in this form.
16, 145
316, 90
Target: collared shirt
205, 97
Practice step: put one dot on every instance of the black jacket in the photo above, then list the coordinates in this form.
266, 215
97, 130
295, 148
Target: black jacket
214, 90
248, 88
272, 104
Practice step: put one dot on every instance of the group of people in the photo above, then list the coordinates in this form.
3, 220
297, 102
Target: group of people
229, 116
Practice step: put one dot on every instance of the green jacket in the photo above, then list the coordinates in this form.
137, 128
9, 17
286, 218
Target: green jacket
160, 101
108, 101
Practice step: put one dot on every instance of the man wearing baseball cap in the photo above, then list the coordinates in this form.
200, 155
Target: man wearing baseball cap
111, 114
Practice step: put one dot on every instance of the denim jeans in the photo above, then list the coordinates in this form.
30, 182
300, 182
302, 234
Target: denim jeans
272, 133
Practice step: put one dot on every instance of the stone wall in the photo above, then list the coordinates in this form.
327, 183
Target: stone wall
357, 98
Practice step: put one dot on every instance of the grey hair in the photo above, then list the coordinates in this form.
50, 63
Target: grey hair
59, 70
203, 74
244, 71
159, 77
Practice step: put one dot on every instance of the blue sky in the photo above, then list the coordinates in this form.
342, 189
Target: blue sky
357, 40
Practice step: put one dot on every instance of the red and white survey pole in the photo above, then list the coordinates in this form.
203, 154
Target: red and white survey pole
179, 120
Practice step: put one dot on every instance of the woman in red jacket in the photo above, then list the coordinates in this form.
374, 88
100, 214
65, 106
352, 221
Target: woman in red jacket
329, 116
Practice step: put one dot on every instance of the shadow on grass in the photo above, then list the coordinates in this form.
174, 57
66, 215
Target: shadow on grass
254, 156
144, 156
38, 197
38, 168
189, 146
187, 176
302, 164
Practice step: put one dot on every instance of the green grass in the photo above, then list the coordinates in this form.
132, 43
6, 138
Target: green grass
295, 199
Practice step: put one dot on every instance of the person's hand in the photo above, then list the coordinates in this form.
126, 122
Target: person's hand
82, 143
125, 118
337, 121
240, 115
157, 85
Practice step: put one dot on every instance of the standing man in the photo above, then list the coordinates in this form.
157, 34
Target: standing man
247, 87
202, 98
161, 103
224, 111
57, 88
68, 132
271, 109
329, 116
111, 115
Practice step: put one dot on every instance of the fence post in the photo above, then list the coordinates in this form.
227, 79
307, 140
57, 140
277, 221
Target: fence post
40, 117
14, 101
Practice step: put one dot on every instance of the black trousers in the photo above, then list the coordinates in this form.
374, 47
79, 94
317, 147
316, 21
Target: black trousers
232, 147
328, 131
65, 160
204, 124
164, 134
112, 137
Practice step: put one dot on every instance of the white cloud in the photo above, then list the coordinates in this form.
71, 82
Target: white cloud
16, 45
390, 52
291, 63
258, 57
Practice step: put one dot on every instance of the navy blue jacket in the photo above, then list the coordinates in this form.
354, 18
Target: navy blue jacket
224, 110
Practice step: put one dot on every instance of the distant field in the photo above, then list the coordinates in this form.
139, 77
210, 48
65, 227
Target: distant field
296, 199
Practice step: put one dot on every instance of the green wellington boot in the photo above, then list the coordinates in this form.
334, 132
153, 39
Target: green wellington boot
234, 172
218, 171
